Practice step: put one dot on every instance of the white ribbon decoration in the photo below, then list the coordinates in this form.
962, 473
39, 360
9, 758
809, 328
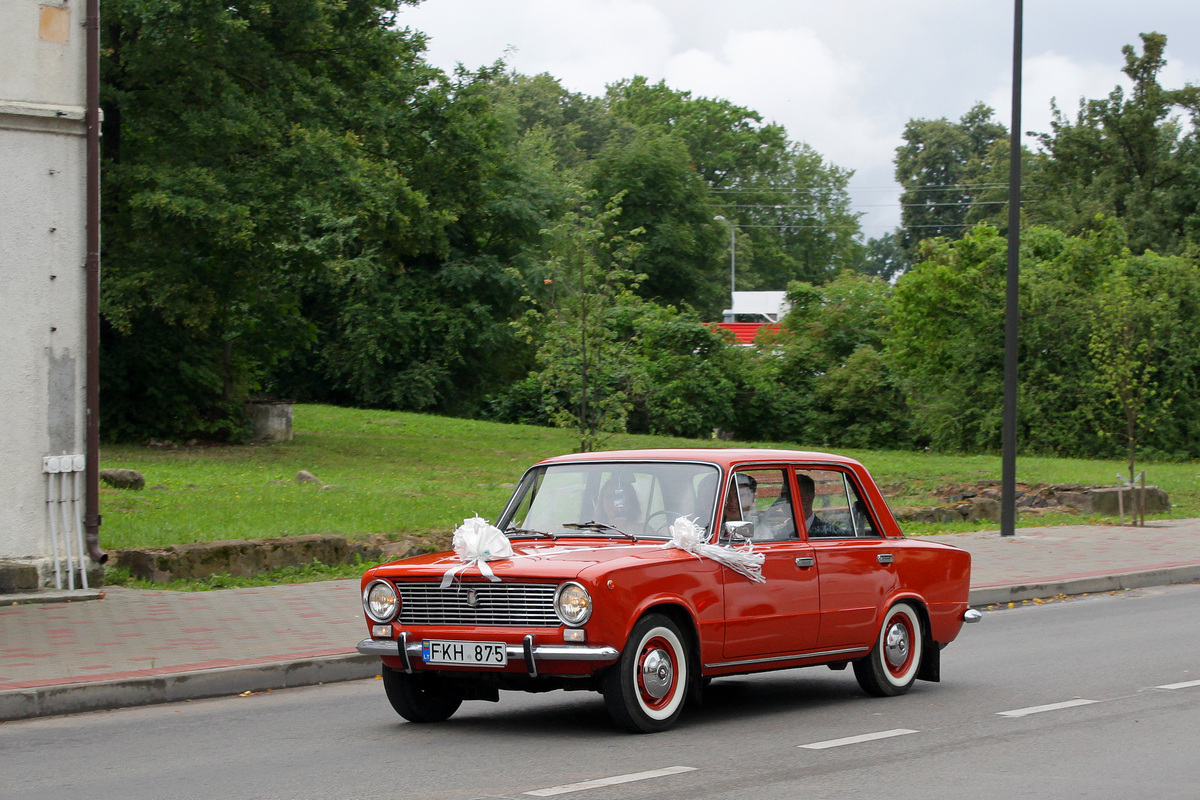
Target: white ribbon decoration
686, 535
477, 542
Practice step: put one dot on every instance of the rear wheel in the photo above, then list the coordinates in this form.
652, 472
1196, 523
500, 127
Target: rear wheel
420, 698
646, 688
892, 666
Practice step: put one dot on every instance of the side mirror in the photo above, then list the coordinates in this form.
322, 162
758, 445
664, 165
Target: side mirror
739, 532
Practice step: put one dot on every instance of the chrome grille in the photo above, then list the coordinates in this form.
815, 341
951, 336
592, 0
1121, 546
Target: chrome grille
507, 604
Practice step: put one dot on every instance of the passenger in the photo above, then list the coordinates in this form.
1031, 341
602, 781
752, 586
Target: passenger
816, 526
747, 486
739, 502
772, 524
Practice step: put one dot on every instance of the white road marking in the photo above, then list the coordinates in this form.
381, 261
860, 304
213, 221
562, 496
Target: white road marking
1184, 685
599, 782
866, 737
1024, 712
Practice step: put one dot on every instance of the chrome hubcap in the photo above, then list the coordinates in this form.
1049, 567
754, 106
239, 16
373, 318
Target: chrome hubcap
895, 644
657, 673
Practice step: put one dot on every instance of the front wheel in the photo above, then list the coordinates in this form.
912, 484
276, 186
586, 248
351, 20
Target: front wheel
892, 666
420, 698
645, 690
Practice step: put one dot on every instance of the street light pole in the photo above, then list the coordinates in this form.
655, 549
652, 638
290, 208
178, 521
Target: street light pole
732, 257
1008, 459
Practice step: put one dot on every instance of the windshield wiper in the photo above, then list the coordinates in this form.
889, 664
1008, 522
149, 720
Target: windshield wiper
528, 532
598, 526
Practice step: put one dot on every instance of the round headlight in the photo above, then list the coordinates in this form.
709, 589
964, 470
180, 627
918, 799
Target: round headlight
573, 604
381, 601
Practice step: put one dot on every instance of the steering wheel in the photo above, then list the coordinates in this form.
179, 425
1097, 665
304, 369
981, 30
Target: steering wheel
659, 529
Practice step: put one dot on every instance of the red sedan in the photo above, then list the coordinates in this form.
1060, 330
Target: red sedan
643, 574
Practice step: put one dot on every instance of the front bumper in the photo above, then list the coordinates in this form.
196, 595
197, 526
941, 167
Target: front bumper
409, 652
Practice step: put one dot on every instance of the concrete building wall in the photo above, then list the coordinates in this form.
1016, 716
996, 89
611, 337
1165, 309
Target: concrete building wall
42, 256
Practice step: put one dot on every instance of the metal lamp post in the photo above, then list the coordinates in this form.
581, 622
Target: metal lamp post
1008, 460
732, 256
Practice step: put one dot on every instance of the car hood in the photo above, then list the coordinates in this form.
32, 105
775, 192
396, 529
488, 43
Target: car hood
542, 559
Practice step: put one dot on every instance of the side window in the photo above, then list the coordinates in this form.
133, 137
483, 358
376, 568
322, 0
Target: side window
761, 496
864, 526
825, 503
832, 506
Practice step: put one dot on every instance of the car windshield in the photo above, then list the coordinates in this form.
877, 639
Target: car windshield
613, 499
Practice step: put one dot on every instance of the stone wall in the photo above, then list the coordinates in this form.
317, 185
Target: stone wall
246, 557
981, 501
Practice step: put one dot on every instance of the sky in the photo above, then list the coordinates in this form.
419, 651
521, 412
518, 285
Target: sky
843, 76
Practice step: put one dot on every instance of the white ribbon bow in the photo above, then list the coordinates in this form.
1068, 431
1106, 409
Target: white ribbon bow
686, 535
477, 541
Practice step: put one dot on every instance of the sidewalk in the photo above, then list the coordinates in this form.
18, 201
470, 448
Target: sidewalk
137, 647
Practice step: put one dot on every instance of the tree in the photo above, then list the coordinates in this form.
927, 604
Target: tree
246, 147
428, 329
943, 167
791, 208
1087, 303
797, 221
576, 125
1128, 328
1132, 158
583, 367
946, 344
885, 257
684, 374
832, 343
727, 143
680, 249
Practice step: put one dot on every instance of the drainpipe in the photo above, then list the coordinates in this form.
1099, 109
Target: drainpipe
91, 518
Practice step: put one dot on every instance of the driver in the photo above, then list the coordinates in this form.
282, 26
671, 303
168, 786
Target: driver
619, 506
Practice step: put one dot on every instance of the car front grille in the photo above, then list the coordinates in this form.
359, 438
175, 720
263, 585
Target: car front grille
500, 604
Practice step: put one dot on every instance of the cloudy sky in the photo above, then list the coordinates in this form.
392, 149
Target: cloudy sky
843, 76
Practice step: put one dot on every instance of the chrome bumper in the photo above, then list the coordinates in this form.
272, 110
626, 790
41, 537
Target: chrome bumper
410, 651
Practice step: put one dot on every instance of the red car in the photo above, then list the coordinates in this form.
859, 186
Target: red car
643, 574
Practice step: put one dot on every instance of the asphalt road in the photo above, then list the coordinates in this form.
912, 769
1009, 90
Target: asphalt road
1097, 697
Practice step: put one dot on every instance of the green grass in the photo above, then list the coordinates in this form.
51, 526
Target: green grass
413, 476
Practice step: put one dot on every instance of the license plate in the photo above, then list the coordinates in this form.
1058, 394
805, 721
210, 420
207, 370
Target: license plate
470, 654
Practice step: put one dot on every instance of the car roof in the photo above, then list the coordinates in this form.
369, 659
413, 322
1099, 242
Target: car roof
725, 457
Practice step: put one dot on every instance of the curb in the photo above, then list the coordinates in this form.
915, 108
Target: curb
1165, 576
51, 596
75, 698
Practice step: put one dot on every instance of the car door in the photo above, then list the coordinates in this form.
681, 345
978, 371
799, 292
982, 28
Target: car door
855, 562
782, 614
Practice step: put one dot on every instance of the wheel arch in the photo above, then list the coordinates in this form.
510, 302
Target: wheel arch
680, 615
678, 612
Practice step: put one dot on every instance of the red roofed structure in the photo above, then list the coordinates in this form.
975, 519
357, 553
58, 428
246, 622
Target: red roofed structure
745, 332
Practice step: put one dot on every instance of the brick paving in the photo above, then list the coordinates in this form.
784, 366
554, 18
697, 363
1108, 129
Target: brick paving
1057, 554
131, 634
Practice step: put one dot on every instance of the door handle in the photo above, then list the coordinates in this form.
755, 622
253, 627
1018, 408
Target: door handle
885, 558
804, 562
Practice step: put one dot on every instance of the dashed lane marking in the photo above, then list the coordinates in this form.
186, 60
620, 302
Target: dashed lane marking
825, 745
865, 737
1024, 712
600, 782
